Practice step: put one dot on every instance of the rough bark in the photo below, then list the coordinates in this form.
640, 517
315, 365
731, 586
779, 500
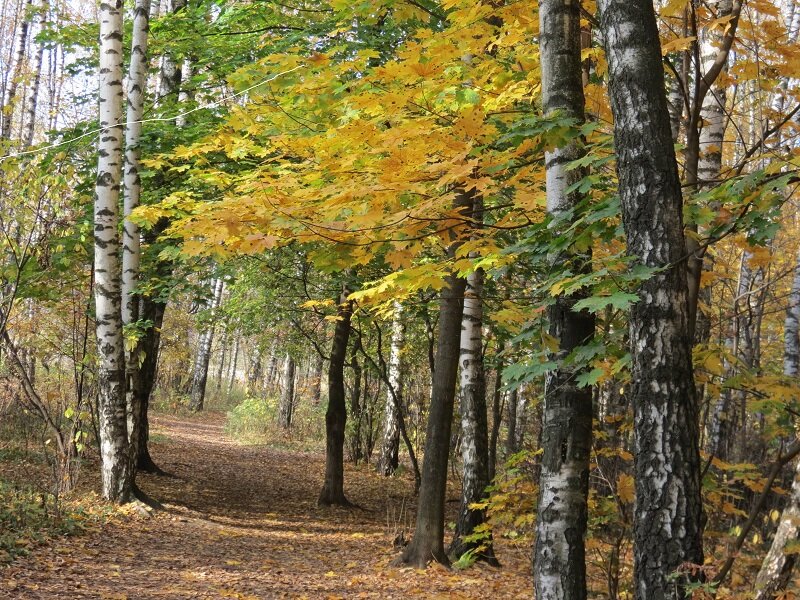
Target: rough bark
474, 426
316, 383
203, 355
33, 100
512, 440
497, 417
559, 566
7, 113
668, 512
115, 469
390, 448
336, 414
287, 393
777, 568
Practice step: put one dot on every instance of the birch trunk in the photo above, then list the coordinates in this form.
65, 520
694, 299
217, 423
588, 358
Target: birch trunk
115, 469
474, 426
131, 246
559, 566
778, 565
390, 448
7, 114
33, 101
667, 527
287, 393
203, 356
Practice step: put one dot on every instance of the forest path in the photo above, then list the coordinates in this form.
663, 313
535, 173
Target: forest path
242, 522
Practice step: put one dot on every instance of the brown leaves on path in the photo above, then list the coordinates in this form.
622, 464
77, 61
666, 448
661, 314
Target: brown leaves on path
241, 522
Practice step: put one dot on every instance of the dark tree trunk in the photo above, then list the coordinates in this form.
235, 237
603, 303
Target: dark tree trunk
428, 542
336, 415
356, 409
150, 311
512, 440
287, 393
317, 381
559, 565
668, 514
497, 417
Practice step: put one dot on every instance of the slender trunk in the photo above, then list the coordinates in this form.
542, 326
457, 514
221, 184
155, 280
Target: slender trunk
33, 101
497, 417
254, 373
559, 566
356, 408
115, 470
131, 244
474, 428
512, 443
336, 414
668, 516
234, 363
390, 449
150, 310
317, 380
287, 393
776, 570
7, 114
203, 356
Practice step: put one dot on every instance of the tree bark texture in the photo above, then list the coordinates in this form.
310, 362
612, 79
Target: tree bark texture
203, 355
474, 426
115, 469
668, 511
336, 414
390, 448
150, 310
131, 244
287, 393
559, 566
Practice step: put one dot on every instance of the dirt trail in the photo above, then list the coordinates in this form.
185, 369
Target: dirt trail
242, 522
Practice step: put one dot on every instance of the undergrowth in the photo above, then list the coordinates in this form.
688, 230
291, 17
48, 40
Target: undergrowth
29, 517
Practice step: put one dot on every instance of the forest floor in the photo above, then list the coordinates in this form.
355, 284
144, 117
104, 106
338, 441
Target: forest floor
241, 522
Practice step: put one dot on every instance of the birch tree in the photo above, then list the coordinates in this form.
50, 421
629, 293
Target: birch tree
390, 448
116, 469
779, 563
203, 355
131, 246
667, 527
559, 555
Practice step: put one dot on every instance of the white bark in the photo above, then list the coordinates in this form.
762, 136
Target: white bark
131, 247
777, 567
388, 461
203, 356
116, 474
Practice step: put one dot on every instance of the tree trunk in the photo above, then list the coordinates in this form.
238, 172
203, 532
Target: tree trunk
115, 469
287, 393
336, 414
778, 565
390, 448
7, 113
428, 541
316, 396
559, 565
474, 428
131, 245
512, 442
203, 356
150, 310
33, 101
668, 514
497, 417
356, 408
234, 363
